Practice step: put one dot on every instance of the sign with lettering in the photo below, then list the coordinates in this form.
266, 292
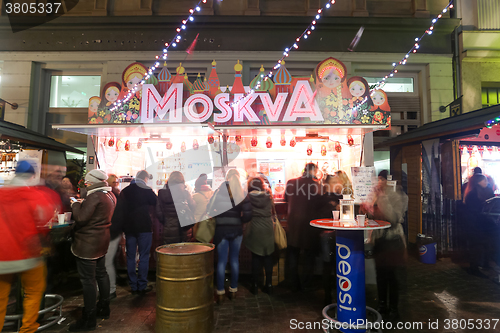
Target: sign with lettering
364, 180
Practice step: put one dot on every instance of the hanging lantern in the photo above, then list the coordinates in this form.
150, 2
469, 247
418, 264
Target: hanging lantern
293, 142
169, 144
283, 141
139, 144
111, 142
309, 150
127, 145
269, 142
210, 139
323, 150
338, 147
253, 142
238, 138
347, 206
350, 140
118, 144
183, 146
195, 144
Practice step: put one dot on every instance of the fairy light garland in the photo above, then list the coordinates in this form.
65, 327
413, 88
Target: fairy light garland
404, 60
173, 43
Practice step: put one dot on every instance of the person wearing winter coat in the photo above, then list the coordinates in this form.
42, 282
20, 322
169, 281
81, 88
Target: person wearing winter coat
24, 211
92, 218
171, 199
203, 194
231, 209
259, 233
389, 248
115, 233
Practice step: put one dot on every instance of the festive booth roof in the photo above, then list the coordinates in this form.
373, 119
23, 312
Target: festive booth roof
265, 83
282, 75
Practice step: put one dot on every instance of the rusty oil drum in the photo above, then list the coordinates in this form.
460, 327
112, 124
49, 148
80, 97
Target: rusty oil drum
184, 288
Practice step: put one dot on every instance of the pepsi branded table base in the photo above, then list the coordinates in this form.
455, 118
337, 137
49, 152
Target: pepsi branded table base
351, 302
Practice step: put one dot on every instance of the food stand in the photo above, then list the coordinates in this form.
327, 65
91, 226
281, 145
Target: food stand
272, 127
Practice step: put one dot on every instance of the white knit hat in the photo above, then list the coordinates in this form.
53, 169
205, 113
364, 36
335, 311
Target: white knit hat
95, 176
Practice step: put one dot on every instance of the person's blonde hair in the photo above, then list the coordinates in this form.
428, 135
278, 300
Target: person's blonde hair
111, 178
344, 179
235, 189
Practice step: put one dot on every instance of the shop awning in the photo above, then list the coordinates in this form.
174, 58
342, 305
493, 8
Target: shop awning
465, 125
31, 138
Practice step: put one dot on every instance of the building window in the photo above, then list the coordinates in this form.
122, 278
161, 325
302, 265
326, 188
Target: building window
73, 91
490, 96
400, 84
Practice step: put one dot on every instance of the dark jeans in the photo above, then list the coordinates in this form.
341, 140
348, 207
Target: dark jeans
138, 242
228, 248
91, 271
388, 286
293, 256
257, 262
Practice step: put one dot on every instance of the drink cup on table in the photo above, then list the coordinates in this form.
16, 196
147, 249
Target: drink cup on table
67, 217
336, 215
60, 218
361, 220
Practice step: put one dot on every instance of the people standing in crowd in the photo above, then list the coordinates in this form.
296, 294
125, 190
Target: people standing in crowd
301, 195
175, 203
24, 210
479, 228
326, 204
203, 194
231, 209
137, 212
389, 244
115, 233
92, 218
259, 233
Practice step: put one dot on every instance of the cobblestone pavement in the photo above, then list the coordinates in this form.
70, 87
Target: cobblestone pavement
439, 292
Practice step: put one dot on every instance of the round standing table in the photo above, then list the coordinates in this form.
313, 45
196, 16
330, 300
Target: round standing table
350, 268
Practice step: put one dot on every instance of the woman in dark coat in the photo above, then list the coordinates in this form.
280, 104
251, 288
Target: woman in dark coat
175, 189
259, 233
231, 209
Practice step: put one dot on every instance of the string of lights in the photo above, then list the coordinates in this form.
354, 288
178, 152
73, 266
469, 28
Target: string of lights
163, 56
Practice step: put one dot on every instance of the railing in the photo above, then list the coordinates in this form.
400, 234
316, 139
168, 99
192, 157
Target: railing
488, 14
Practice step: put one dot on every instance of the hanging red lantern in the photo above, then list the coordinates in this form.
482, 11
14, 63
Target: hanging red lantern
253, 142
127, 145
195, 144
309, 150
350, 140
111, 142
118, 144
338, 147
139, 144
183, 146
269, 142
169, 144
211, 139
283, 141
323, 150
238, 138
293, 142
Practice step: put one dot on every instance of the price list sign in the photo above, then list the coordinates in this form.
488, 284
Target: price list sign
363, 181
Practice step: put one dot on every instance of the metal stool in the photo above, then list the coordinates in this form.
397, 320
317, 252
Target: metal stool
337, 324
12, 320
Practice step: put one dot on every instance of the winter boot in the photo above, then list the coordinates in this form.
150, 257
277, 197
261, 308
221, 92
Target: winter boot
268, 289
102, 310
86, 323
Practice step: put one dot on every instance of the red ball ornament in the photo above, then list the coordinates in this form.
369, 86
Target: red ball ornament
338, 147
293, 142
169, 144
238, 138
283, 141
211, 139
127, 145
309, 150
183, 146
111, 142
269, 142
323, 150
350, 141
253, 142
195, 144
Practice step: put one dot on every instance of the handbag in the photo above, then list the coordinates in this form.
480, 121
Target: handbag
206, 228
279, 233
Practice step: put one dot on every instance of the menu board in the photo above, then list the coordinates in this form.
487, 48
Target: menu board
364, 180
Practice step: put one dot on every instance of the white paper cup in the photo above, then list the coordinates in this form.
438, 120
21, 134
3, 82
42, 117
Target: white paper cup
60, 218
67, 217
336, 215
361, 220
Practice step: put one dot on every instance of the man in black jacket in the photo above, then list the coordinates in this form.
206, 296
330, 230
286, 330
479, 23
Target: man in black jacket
136, 205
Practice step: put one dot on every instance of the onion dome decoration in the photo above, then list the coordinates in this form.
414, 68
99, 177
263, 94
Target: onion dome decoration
164, 75
282, 76
152, 80
265, 85
187, 85
198, 85
179, 78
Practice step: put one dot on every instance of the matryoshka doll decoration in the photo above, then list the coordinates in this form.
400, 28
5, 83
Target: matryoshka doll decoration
195, 144
238, 138
293, 142
323, 150
269, 142
283, 141
338, 147
183, 146
309, 150
111, 142
350, 140
210, 139
253, 142
127, 145
169, 144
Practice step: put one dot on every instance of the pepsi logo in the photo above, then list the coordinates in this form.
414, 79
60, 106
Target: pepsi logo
422, 250
345, 284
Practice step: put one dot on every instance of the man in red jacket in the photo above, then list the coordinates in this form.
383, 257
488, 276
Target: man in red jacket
24, 211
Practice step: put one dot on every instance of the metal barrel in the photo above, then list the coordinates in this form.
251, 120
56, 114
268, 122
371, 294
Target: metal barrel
184, 288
